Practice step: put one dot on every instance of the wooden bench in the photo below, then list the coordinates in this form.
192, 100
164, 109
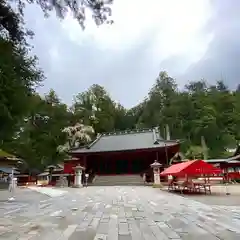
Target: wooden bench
205, 187
190, 186
181, 186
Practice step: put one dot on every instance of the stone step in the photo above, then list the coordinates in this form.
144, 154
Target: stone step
118, 176
116, 184
118, 180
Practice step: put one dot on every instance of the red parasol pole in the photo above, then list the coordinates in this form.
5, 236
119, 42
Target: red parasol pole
226, 185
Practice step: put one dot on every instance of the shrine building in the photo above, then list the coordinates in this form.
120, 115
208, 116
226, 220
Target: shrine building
123, 153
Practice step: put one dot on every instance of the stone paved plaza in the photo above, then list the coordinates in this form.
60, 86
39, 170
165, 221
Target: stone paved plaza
123, 213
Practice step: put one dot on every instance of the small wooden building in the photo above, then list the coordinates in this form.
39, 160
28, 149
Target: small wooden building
8, 162
52, 175
230, 166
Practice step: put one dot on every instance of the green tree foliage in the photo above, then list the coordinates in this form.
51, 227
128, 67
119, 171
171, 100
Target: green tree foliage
194, 152
18, 72
39, 133
99, 9
31, 126
199, 111
18, 78
12, 24
206, 117
95, 107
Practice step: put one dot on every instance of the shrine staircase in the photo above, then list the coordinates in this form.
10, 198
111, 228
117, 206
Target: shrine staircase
117, 180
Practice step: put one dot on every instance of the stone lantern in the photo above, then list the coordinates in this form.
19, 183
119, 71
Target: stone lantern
50, 171
156, 172
78, 176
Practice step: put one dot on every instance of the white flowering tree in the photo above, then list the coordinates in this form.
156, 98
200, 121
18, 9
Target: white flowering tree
76, 136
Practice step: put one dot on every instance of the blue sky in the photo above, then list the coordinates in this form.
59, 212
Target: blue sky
190, 39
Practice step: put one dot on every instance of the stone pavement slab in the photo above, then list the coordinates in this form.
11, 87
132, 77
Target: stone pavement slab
51, 192
22, 194
120, 213
23, 198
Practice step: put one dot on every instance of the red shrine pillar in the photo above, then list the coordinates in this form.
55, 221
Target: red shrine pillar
85, 161
112, 171
157, 156
114, 168
129, 166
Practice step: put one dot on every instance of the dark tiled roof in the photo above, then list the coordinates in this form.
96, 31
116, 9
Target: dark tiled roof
126, 140
237, 152
5, 154
8, 170
216, 160
235, 159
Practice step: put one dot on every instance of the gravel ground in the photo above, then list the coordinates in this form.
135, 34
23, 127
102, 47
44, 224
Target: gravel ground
116, 213
219, 196
22, 195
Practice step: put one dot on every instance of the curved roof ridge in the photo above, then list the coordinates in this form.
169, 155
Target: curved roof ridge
236, 157
128, 131
133, 140
169, 141
155, 140
94, 142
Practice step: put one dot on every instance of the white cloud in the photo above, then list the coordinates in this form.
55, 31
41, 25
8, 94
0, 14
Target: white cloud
176, 25
126, 54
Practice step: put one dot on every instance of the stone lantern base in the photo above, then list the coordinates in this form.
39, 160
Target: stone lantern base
156, 174
157, 185
77, 186
78, 177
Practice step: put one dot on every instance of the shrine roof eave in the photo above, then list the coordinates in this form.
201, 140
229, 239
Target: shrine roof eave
216, 160
8, 162
235, 159
155, 148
